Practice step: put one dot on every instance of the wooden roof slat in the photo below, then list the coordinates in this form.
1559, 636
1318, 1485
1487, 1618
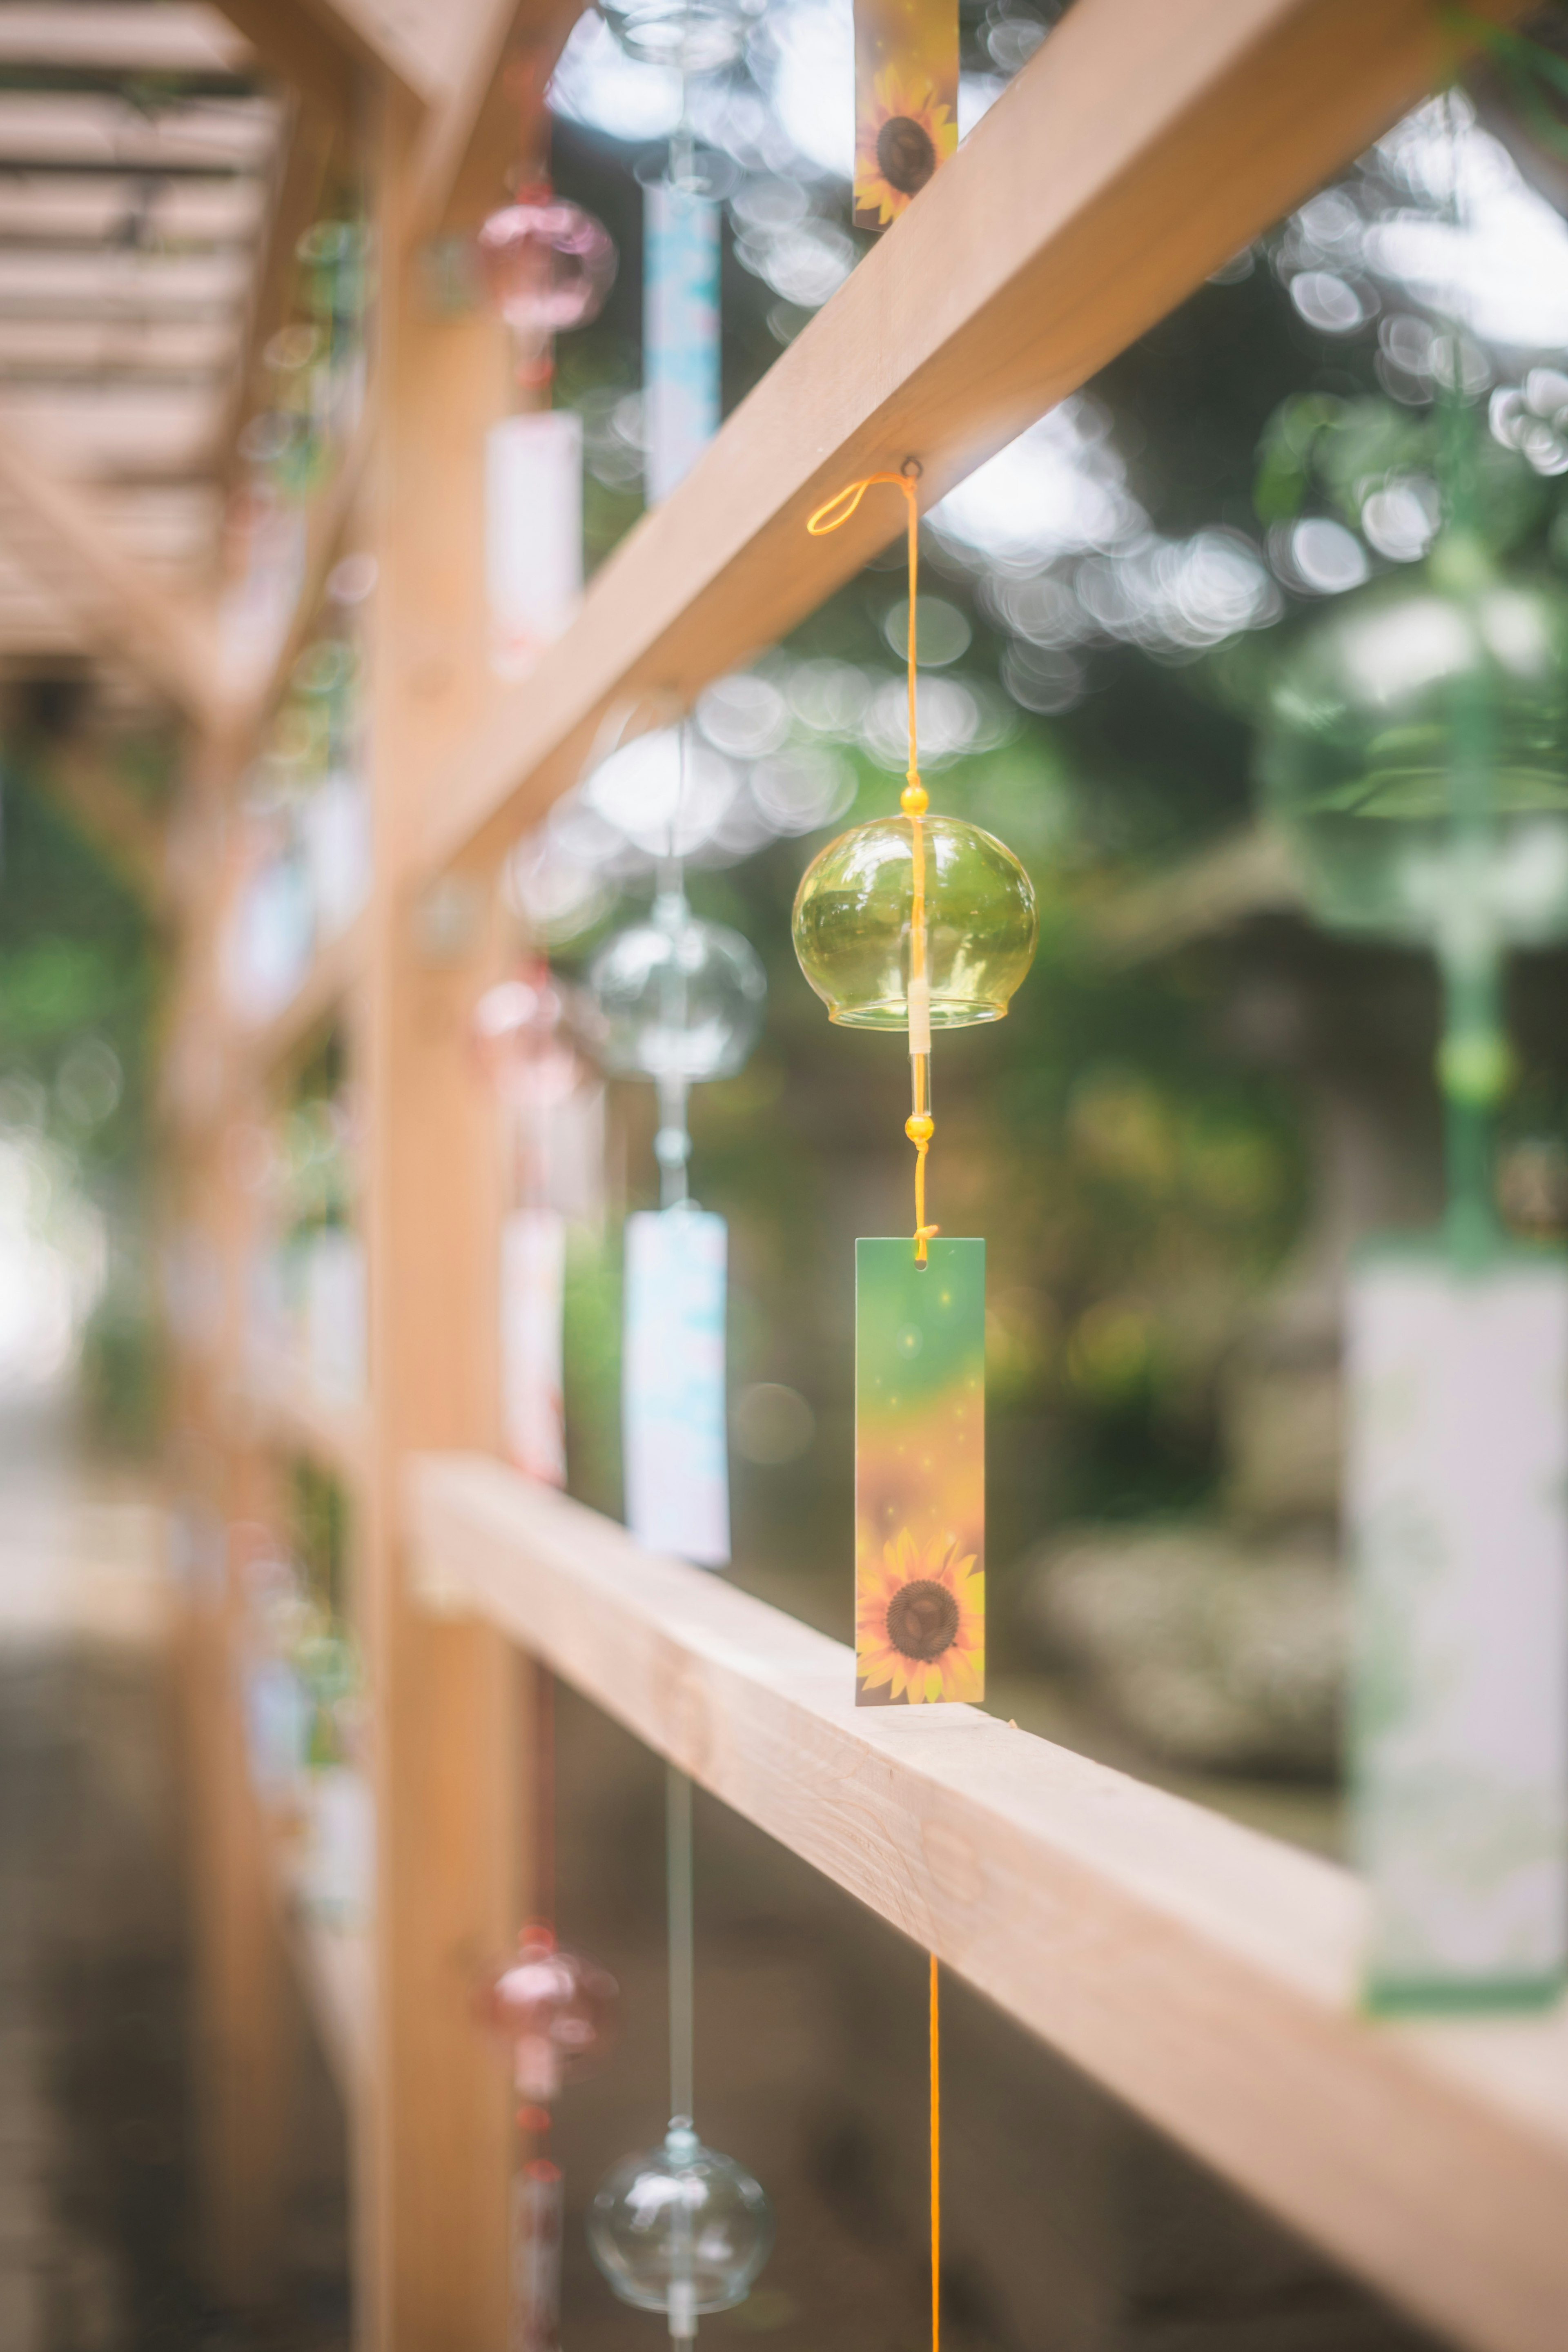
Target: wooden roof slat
55, 205
76, 345
145, 430
60, 534
68, 284
172, 38
210, 134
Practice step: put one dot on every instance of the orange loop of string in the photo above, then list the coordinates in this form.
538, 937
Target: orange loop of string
920, 1127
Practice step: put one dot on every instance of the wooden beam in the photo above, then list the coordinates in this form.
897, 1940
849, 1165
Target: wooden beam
336, 972
87, 787
291, 41
435, 2144
1141, 147
421, 42
306, 152
1200, 1971
330, 513
469, 143
1249, 873
116, 601
280, 1405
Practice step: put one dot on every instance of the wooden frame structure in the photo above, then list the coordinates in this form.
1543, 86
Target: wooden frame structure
1199, 1972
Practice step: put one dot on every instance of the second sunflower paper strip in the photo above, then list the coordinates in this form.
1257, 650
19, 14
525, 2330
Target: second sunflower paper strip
920, 1473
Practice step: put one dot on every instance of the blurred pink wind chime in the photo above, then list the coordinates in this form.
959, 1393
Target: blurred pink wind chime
552, 1109
547, 267
553, 2009
556, 2012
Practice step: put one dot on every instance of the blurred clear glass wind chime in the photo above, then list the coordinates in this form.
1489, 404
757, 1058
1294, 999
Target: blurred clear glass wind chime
679, 2228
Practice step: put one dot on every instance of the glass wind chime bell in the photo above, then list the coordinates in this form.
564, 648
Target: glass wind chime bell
913, 922
681, 1002
554, 2009
547, 267
681, 2229
693, 37
917, 923
555, 2013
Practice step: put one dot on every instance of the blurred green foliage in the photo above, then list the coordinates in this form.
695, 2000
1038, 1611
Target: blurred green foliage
81, 974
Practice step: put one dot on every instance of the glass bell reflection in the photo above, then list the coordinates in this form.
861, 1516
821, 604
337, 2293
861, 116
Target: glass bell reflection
852, 923
556, 2008
547, 267
1363, 761
681, 2229
693, 37
676, 999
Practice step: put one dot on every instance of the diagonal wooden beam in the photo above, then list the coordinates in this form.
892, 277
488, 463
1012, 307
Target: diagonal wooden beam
87, 786
421, 43
59, 533
301, 176
291, 41
469, 143
1146, 143
412, 39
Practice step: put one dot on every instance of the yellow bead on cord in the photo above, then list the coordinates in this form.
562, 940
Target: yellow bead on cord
920, 1127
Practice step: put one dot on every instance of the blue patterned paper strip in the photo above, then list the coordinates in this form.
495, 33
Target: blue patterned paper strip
681, 334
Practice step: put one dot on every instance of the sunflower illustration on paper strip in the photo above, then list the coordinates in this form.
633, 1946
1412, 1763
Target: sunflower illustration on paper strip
901, 137
920, 1623
920, 1473
906, 101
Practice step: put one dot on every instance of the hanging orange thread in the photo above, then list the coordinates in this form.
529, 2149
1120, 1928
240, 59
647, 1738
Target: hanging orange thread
920, 1127
935, 2167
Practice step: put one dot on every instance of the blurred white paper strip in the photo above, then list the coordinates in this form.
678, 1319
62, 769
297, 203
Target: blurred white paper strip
681, 334
335, 1293
532, 1314
1458, 1513
677, 1461
533, 534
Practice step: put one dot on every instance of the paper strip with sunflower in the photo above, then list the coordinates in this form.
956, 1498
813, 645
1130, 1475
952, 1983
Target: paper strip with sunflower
906, 101
920, 1473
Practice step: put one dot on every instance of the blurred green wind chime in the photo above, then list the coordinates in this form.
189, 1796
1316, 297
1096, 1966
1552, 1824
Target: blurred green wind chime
1415, 756
679, 2228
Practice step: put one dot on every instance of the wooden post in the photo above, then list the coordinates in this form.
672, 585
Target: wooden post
435, 2139
246, 2016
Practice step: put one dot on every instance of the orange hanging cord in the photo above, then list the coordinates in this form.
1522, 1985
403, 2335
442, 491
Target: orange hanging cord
935, 2166
920, 1127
